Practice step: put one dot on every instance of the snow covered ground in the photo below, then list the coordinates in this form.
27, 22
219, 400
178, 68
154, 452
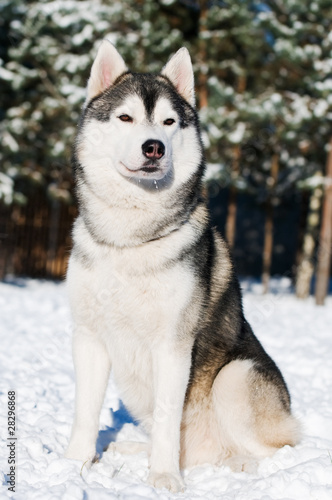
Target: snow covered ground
35, 361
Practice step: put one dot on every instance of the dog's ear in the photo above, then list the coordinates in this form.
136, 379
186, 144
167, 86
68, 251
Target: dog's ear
179, 71
106, 68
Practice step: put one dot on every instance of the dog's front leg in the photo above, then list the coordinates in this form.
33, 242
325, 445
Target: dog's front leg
92, 368
171, 367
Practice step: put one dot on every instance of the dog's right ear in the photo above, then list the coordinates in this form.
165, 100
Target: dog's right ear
107, 67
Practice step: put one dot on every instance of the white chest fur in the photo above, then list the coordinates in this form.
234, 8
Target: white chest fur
131, 299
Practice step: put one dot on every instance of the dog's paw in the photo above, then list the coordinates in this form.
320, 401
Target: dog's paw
81, 453
172, 482
242, 464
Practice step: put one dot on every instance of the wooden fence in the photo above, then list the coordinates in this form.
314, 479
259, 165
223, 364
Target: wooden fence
35, 239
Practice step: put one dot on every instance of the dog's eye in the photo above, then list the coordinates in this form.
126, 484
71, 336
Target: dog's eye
169, 121
126, 118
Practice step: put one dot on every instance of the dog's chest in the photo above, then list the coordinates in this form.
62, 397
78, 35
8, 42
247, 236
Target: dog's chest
140, 301
142, 311
135, 300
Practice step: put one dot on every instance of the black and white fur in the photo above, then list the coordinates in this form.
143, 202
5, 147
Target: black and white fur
152, 287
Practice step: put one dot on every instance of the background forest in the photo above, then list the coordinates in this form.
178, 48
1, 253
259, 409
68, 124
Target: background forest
264, 81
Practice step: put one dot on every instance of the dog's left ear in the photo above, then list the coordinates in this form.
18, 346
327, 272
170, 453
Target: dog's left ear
179, 71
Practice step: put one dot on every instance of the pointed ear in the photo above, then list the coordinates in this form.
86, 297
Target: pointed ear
179, 71
106, 68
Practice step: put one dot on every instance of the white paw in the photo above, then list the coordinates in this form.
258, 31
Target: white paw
85, 454
242, 464
172, 482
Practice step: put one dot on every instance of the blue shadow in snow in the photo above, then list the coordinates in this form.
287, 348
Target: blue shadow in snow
14, 281
108, 435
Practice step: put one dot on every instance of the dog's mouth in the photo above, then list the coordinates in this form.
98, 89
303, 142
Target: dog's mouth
150, 167
149, 170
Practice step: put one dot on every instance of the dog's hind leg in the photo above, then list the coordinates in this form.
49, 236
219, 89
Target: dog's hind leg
252, 413
92, 367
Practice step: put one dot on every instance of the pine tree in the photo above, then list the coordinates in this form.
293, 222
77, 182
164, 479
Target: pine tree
268, 97
301, 66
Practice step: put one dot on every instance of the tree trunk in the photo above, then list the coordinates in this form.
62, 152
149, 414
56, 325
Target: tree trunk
302, 224
231, 217
268, 233
202, 55
53, 236
232, 206
325, 240
306, 267
232, 200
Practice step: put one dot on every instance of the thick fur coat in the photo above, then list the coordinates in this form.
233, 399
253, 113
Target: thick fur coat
152, 287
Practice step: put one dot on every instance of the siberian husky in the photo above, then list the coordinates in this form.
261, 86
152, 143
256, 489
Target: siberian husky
152, 287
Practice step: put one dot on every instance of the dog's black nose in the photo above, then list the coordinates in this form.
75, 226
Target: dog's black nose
153, 150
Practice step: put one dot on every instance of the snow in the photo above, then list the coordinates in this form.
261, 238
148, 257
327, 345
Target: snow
321, 108
236, 136
6, 188
6, 75
8, 140
35, 361
213, 171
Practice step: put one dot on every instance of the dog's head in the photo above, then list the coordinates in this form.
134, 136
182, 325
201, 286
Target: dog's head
140, 128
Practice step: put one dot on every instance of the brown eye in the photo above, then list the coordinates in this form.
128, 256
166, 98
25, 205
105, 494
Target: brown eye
126, 118
169, 121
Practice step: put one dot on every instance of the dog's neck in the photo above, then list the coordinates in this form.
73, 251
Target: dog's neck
133, 225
